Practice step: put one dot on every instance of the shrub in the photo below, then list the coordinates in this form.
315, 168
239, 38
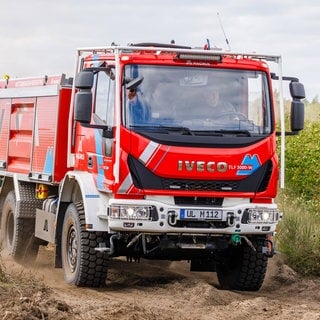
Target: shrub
299, 231
302, 163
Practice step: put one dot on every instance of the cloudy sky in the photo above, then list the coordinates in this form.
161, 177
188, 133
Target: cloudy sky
40, 37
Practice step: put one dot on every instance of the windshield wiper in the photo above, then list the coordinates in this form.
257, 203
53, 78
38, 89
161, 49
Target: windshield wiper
163, 129
238, 133
187, 131
222, 132
182, 130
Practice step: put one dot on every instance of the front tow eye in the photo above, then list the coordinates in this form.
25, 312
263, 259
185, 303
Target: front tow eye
172, 218
230, 219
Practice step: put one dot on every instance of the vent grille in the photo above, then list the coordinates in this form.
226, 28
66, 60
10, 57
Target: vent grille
198, 201
201, 185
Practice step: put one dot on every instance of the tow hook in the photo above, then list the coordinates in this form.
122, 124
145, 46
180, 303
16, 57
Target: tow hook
230, 219
172, 217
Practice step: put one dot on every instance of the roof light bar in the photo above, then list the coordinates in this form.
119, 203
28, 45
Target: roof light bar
199, 57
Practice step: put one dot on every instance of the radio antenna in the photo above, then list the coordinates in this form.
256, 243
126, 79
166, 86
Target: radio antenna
227, 41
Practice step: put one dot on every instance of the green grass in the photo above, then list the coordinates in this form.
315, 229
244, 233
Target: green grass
298, 236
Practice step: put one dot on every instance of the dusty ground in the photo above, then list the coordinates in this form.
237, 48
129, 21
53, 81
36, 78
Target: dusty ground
153, 290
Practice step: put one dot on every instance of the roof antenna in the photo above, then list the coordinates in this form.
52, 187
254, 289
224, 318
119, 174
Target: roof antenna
227, 41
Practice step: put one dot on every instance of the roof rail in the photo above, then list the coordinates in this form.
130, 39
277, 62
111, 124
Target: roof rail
159, 45
156, 47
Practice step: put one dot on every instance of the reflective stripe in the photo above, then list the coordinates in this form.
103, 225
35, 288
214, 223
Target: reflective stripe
145, 156
148, 152
126, 184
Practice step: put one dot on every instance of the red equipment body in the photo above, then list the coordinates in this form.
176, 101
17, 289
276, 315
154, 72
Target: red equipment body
137, 157
34, 128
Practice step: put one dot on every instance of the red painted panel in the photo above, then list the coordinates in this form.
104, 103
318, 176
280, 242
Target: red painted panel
60, 163
21, 132
44, 135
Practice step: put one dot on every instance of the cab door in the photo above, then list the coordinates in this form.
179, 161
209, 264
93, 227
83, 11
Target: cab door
103, 114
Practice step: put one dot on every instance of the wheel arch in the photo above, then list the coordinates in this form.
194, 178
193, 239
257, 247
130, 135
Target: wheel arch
24, 190
80, 187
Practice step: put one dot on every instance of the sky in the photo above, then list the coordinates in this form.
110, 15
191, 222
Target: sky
40, 37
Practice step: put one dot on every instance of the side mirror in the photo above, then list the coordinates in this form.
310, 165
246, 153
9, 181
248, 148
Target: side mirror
297, 93
83, 106
297, 90
83, 98
84, 80
297, 115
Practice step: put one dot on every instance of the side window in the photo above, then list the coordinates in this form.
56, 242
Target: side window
259, 104
104, 102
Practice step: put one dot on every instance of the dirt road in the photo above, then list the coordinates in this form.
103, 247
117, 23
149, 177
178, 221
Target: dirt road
158, 290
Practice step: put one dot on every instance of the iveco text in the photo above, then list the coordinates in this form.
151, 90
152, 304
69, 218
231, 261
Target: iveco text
201, 166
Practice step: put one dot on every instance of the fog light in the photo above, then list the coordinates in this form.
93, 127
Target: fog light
263, 215
266, 216
133, 212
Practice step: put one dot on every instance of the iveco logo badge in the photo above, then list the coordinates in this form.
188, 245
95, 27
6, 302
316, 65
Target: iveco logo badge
202, 166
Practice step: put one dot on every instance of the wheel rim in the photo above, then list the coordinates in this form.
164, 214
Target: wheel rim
9, 230
72, 249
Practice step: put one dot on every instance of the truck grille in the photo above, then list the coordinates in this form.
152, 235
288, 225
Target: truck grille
145, 179
201, 185
198, 201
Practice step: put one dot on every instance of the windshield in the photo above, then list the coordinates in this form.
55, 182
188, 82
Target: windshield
196, 100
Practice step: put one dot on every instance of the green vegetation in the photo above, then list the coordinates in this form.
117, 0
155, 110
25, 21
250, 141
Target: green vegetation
299, 234
299, 231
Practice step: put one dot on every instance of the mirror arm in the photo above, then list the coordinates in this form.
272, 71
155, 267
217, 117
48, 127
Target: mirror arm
276, 77
287, 133
108, 132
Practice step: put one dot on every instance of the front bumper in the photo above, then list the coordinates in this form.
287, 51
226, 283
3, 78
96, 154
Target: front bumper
161, 216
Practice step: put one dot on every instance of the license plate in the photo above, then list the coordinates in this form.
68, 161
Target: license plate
199, 214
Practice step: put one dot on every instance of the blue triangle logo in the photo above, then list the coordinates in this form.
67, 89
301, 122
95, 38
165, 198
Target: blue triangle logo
249, 165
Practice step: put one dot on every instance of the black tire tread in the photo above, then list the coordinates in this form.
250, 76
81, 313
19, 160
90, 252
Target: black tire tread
24, 247
250, 270
93, 264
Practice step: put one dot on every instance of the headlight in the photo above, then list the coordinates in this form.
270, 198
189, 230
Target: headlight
133, 212
262, 215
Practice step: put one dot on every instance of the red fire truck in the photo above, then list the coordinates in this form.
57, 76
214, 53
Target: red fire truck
154, 151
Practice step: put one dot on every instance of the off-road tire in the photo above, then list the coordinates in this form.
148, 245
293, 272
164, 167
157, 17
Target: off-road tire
82, 265
242, 268
17, 234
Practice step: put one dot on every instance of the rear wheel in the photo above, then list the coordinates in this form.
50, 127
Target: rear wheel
82, 264
243, 268
17, 234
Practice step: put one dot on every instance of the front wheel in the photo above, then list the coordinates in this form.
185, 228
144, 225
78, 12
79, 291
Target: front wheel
82, 264
242, 267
